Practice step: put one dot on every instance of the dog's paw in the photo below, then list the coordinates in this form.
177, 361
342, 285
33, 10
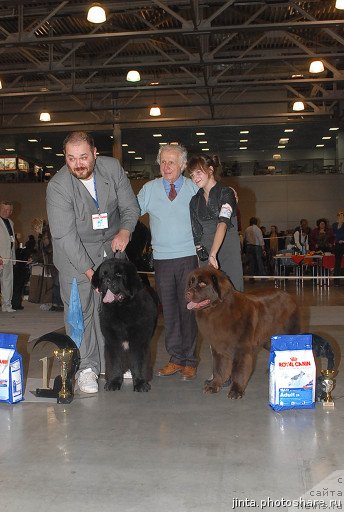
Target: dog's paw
211, 388
113, 385
142, 386
235, 392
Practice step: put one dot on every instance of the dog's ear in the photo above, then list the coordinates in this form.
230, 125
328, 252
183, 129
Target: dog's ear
216, 284
134, 282
95, 281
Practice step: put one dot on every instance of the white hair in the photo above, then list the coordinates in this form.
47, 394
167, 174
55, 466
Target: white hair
183, 154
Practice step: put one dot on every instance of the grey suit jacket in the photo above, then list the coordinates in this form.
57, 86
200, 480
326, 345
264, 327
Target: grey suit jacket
5, 242
76, 245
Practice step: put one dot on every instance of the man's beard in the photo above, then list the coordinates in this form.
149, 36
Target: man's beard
84, 172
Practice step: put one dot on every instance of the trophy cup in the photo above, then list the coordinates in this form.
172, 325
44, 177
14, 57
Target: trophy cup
64, 355
328, 385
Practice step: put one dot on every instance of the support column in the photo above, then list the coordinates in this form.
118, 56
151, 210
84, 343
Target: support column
117, 142
340, 150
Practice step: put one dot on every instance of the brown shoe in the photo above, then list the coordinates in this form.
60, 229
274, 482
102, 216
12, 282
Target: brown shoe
170, 369
188, 373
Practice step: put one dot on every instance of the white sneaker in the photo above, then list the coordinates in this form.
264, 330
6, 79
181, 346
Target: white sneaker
88, 381
8, 309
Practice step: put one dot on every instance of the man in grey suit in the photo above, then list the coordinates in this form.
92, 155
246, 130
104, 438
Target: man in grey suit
92, 211
7, 256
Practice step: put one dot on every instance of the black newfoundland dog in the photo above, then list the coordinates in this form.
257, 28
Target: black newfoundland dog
128, 317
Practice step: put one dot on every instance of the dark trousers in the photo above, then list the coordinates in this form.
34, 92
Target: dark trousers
255, 259
338, 252
180, 324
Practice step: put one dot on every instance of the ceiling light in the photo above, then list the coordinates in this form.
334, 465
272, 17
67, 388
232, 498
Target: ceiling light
32, 140
205, 149
326, 138
124, 145
59, 154
316, 66
47, 147
202, 142
339, 4
244, 131
289, 130
44, 116
162, 143
283, 141
333, 129
96, 14
131, 152
155, 111
9, 149
157, 134
320, 145
138, 157
133, 76
243, 147
298, 106
280, 147
276, 156
243, 140
200, 133
298, 75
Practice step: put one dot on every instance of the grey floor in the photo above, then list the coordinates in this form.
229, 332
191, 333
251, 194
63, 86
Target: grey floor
172, 449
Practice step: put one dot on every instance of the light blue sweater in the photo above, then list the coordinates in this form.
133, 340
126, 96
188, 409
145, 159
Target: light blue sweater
169, 220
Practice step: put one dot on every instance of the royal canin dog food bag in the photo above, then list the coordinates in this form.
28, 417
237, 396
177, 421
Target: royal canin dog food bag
11, 370
292, 372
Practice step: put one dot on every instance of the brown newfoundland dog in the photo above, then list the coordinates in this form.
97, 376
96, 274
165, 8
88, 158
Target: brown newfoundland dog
237, 324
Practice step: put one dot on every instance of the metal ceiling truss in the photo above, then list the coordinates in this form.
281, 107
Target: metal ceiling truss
213, 61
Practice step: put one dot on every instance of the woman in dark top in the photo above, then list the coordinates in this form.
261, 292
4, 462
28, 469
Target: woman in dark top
322, 237
214, 223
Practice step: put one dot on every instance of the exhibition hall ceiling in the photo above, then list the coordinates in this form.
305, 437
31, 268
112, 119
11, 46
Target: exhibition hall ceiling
212, 67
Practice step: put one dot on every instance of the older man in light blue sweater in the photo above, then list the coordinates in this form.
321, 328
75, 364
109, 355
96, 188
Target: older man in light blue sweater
166, 200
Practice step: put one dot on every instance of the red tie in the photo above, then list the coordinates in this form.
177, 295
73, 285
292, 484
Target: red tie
172, 194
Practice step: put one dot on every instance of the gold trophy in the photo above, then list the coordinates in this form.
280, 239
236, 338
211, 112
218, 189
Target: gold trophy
328, 385
64, 355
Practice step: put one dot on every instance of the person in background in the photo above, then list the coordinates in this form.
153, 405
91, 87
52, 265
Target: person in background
166, 200
213, 212
272, 246
21, 275
30, 244
7, 256
338, 230
301, 236
255, 248
322, 237
92, 211
44, 255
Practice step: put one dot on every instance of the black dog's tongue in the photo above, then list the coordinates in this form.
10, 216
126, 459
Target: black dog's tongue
198, 305
110, 297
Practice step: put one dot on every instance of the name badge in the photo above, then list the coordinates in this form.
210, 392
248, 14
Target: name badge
226, 211
100, 221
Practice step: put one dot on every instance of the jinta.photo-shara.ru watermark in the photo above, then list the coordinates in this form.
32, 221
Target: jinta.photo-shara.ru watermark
328, 494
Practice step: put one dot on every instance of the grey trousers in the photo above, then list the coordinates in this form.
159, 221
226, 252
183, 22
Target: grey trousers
92, 345
6, 282
180, 324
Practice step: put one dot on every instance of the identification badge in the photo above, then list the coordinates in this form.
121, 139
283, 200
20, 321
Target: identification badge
100, 221
226, 211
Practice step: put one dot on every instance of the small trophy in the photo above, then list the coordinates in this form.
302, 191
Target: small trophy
65, 355
328, 385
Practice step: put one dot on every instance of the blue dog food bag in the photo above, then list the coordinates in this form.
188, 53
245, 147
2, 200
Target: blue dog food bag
292, 372
11, 370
